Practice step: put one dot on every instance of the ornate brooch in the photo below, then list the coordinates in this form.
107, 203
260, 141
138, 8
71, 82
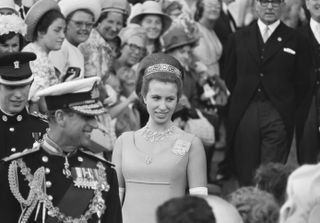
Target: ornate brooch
181, 147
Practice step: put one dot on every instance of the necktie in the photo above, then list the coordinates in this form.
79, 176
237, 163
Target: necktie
266, 34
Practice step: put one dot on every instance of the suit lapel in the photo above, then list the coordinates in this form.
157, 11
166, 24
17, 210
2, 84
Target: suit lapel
252, 42
275, 42
231, 20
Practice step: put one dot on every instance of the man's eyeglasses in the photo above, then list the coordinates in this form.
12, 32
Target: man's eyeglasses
80, 24
274, 3
133, 47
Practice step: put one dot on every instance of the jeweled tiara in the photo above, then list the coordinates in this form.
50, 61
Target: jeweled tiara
162, 67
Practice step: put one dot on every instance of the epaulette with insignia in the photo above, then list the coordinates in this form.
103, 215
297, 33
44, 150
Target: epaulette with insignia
35, 148
96, 156
40, 116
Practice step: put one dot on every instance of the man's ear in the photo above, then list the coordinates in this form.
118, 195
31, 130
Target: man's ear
60, 117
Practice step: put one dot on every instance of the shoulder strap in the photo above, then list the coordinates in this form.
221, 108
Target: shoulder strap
96, 156
35, 148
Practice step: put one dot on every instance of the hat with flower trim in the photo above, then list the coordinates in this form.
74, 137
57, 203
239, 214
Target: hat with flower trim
12, 23
81, 96
182, 32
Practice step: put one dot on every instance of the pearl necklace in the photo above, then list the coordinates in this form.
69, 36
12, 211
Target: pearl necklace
156, 136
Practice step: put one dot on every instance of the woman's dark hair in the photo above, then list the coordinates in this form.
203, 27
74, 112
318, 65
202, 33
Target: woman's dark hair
187, 209
199, 10
142, 84
45, 21
163, 77
68, 18
104, 15
5, 37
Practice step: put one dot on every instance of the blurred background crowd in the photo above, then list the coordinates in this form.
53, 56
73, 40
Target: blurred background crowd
75, 39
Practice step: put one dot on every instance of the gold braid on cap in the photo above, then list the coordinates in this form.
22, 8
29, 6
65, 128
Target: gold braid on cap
162, 67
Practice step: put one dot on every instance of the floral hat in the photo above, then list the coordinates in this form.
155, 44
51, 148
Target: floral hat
12, 23
182, 32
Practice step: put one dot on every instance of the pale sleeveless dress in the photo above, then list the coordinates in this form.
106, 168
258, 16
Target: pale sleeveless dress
150, 181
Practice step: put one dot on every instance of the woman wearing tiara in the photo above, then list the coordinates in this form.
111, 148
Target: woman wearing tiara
158, 161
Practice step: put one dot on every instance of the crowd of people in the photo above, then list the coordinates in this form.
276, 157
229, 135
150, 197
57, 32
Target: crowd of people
111, 110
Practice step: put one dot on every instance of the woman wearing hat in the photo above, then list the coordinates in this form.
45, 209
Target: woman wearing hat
80, 17
158, 161
8, 7
154, 21
12, 30
96, 50
46, 26
133, 49
133, 46
209, 49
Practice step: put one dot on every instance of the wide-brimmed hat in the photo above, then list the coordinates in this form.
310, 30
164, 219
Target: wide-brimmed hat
36, 12
182, 32
152, 8
69, 6
81, 96
120, 6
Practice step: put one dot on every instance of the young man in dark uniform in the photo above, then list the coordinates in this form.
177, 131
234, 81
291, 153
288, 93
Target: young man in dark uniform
59, 180
18, 128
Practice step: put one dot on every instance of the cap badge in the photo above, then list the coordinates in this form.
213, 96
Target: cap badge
16, 64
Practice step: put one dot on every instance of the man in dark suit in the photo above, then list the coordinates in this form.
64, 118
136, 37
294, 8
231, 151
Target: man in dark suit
18, 128
267, 71
59, 180
307, 131
226, 24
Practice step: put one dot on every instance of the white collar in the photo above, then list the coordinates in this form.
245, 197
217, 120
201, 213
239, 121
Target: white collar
272, 27
225, 7
315, 28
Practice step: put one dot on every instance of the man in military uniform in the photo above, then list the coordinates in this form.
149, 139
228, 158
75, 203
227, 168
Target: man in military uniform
18, 129
58, 180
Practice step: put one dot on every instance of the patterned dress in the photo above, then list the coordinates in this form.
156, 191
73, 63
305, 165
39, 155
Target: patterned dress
42, 69
97, 56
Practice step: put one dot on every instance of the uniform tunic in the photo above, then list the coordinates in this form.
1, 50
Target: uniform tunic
62, 191
19, 132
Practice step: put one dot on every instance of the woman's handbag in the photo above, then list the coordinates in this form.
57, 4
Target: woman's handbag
202, 128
